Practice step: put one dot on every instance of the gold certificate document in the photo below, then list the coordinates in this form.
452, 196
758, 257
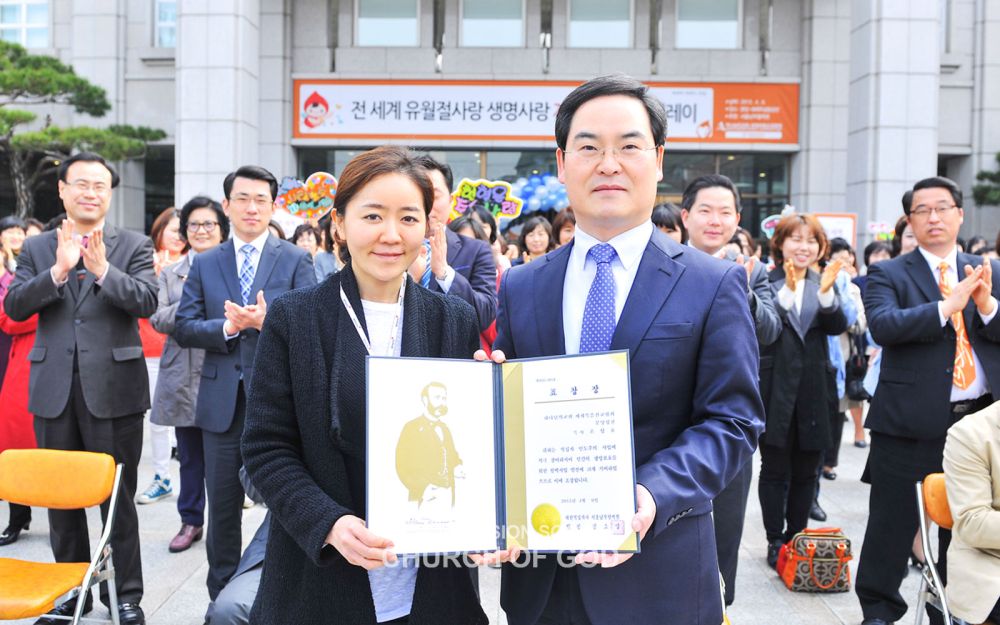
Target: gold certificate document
467, 456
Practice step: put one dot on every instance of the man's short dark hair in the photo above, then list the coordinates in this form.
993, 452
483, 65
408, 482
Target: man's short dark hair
88, 157
934, 182
707, 182
614, 84
253, 172
203, 201
428, 162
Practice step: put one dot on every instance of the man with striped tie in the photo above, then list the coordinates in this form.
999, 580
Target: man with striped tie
934, 312
222, 311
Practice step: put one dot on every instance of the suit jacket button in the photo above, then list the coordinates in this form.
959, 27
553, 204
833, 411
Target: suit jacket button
77, 321
948, 370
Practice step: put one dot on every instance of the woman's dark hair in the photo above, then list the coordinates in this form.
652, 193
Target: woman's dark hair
326, 227
367, 166
202, 201
486, 218
278, 230
562, 218
468, 222
669, 216
530, 226
12, 221
787, 227
875, 247
975, 244
55, 222
615, 84
252, 172
302, 229
160, 226
31, 221
901, 223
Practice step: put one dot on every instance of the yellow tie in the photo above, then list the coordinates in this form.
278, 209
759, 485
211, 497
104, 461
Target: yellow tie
965, 368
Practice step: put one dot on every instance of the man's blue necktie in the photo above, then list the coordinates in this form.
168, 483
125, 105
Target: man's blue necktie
425, 280
247, 272
599, 312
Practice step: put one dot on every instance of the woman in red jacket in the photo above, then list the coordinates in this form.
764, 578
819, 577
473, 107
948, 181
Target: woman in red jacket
16, 423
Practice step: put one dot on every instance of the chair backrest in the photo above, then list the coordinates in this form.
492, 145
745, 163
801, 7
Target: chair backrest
936, 500
50, 478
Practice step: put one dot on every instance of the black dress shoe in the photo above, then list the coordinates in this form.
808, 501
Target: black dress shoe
773, 549
876, 621
130, 614
11, 534
66, 608
829, 474
816, 513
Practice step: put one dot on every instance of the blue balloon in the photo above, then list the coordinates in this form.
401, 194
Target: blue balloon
528, 191
541, 191
535, 180
534, 204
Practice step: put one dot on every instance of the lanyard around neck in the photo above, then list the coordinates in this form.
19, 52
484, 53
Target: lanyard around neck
357, 324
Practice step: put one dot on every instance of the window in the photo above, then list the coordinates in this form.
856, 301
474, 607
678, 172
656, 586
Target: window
166, 23
600, 24
388, 23
492, 23
708, 24
26, 23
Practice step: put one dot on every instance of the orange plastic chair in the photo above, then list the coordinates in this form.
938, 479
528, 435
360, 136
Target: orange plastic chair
932, 501
64, 480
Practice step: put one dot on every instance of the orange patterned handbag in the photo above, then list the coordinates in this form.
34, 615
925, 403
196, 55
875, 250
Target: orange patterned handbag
815, 560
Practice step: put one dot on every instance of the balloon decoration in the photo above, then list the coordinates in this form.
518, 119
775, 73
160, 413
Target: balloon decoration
308, 201
541, 192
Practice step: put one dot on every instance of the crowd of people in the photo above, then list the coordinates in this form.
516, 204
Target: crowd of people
247, 350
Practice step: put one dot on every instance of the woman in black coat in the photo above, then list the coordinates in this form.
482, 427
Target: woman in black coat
795, 379
304, 440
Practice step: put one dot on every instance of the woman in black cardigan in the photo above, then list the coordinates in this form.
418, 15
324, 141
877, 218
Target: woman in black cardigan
795, 376
304, 440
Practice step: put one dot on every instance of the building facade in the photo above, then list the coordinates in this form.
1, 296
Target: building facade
832, 106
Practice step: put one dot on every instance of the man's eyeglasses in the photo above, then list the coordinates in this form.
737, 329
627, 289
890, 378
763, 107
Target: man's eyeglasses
925, 211
624, 154
207, 226
82, 186
245, 200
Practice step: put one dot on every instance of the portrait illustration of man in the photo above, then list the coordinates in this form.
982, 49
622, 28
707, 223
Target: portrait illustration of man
426, 458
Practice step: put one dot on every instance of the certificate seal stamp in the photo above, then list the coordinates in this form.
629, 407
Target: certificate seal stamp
545, 518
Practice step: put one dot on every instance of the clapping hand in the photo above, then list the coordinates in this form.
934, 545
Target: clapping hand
748, 265
439, 248
67, 251
239, 318
791, 278
95, 254
829, 277
961, 292
982, 293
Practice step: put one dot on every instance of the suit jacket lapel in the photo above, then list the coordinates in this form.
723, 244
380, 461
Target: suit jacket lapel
268, 259
921, 274
227, 267
810, 304
548, 290
110, 238
656, 277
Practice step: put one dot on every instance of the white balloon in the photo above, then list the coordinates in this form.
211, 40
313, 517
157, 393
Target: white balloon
541, 192
553, 183
521, 181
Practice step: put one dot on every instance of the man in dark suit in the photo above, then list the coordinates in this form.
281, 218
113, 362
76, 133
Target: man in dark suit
89, 283
221, 311
455, 264
710, 208
934, 312
684, 318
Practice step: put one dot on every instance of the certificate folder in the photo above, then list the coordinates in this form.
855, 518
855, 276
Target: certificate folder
466, 456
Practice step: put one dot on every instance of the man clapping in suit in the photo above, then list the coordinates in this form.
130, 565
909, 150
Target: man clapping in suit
89, 282
221, 311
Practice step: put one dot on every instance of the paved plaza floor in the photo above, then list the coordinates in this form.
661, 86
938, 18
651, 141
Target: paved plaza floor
175, 591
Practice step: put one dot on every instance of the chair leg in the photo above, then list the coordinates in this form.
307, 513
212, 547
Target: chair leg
921, 601
113, 599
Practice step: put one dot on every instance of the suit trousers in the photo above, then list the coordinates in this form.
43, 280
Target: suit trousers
565, 604
786, 488
191, 455
77, 429
729, 512
894, 466
223, 460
